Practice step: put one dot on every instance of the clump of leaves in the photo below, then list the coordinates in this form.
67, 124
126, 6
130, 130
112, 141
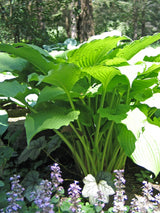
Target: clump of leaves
96, 93
145, 175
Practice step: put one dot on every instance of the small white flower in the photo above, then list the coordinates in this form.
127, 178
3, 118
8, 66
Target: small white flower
91, 189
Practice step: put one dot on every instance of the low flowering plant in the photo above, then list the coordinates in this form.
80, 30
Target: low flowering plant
45, 198
74, 192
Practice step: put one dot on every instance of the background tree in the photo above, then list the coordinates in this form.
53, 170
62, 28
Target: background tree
85, 24
47, 22
135, 18
33, 21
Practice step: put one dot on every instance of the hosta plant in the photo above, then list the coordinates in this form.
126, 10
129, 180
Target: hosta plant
92, 98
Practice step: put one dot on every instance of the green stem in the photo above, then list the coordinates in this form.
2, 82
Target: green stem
64, 139
88, 155
127, 98
98, 125
83, 138
106, 144
112, 100
31, 109
73, 107
75, 154
89, 99
113, 160
120, 163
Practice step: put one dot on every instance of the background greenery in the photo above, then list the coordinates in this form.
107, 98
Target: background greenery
47, 22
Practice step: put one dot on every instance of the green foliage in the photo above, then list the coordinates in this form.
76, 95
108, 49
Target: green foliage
34, 21
36, 146
67, 44
139, 19
5, 154
31, 182
3, 121
84, 97
144, 175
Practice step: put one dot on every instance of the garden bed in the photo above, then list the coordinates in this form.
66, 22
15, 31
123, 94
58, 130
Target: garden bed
63, 156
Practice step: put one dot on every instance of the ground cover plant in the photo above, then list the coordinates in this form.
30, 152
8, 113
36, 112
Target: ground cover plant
49, 197
91, 100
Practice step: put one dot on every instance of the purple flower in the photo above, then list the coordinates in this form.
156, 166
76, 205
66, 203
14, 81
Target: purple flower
119, 197
57, 180
100, 200
74, 192
15, 195
146, 202
56, 175
42, 196
157, 199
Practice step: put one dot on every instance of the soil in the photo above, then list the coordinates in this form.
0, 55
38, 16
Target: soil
69, 170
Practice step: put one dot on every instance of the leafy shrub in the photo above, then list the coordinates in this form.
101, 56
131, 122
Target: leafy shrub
92, 98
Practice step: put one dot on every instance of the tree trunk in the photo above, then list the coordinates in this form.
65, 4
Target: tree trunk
144, 6
135, 19
67, 25
40, 15
85, 25
73, 15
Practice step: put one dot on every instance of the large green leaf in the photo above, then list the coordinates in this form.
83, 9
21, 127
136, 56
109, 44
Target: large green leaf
31, 54
152, 71
8, 63
49, 94
51, 117
120, 82
11, 88
152, 58
134, 47
103, 73
126, 139
33, 150
64, 76
147, 146
94, 52
116, 62
141, 89
115, 114
138, 85
3, 121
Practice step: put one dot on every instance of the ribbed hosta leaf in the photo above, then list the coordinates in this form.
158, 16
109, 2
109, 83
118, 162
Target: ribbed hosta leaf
115, 114
52, 117
64, 76
116, 62
133, 48
119, 82
30, 53
102, 73
11, 88
8, 63
49, 94
152, 71
141, 88
94, 52
147, 145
